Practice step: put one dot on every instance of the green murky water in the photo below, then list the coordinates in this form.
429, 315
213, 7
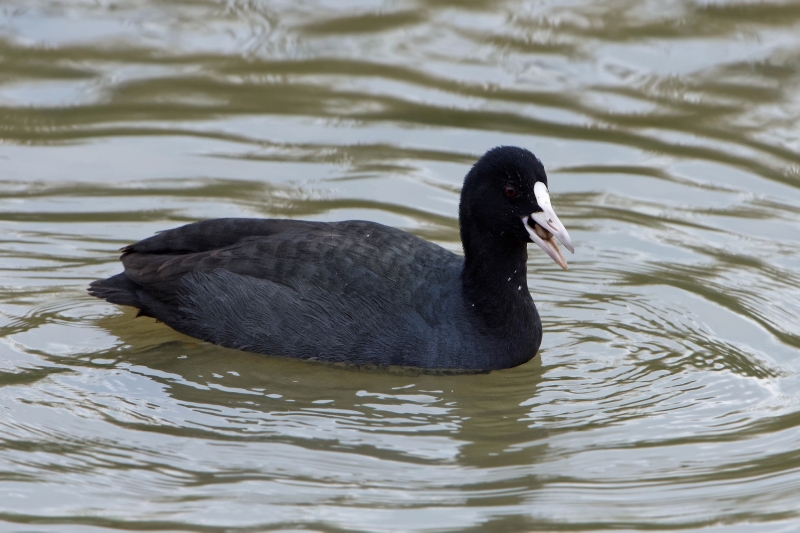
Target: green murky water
667, 391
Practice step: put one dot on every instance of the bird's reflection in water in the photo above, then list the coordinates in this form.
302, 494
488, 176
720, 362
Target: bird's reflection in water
467, 418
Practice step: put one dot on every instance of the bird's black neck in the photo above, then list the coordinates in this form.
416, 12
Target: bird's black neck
494, 281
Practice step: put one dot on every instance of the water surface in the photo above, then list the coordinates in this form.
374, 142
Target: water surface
666, 395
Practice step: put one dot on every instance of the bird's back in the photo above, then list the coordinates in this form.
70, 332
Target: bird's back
354, 291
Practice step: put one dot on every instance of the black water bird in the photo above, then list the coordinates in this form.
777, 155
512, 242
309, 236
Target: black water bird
355, 291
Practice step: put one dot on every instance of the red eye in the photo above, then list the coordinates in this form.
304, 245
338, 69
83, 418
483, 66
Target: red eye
511, 192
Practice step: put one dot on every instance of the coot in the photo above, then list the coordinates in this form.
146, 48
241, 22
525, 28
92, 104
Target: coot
355, 291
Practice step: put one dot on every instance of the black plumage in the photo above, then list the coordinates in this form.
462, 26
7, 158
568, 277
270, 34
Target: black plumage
356, 292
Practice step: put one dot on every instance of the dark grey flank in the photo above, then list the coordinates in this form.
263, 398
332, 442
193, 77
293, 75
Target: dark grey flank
354, 292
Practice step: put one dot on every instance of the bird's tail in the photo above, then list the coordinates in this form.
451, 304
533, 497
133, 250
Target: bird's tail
117, 289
